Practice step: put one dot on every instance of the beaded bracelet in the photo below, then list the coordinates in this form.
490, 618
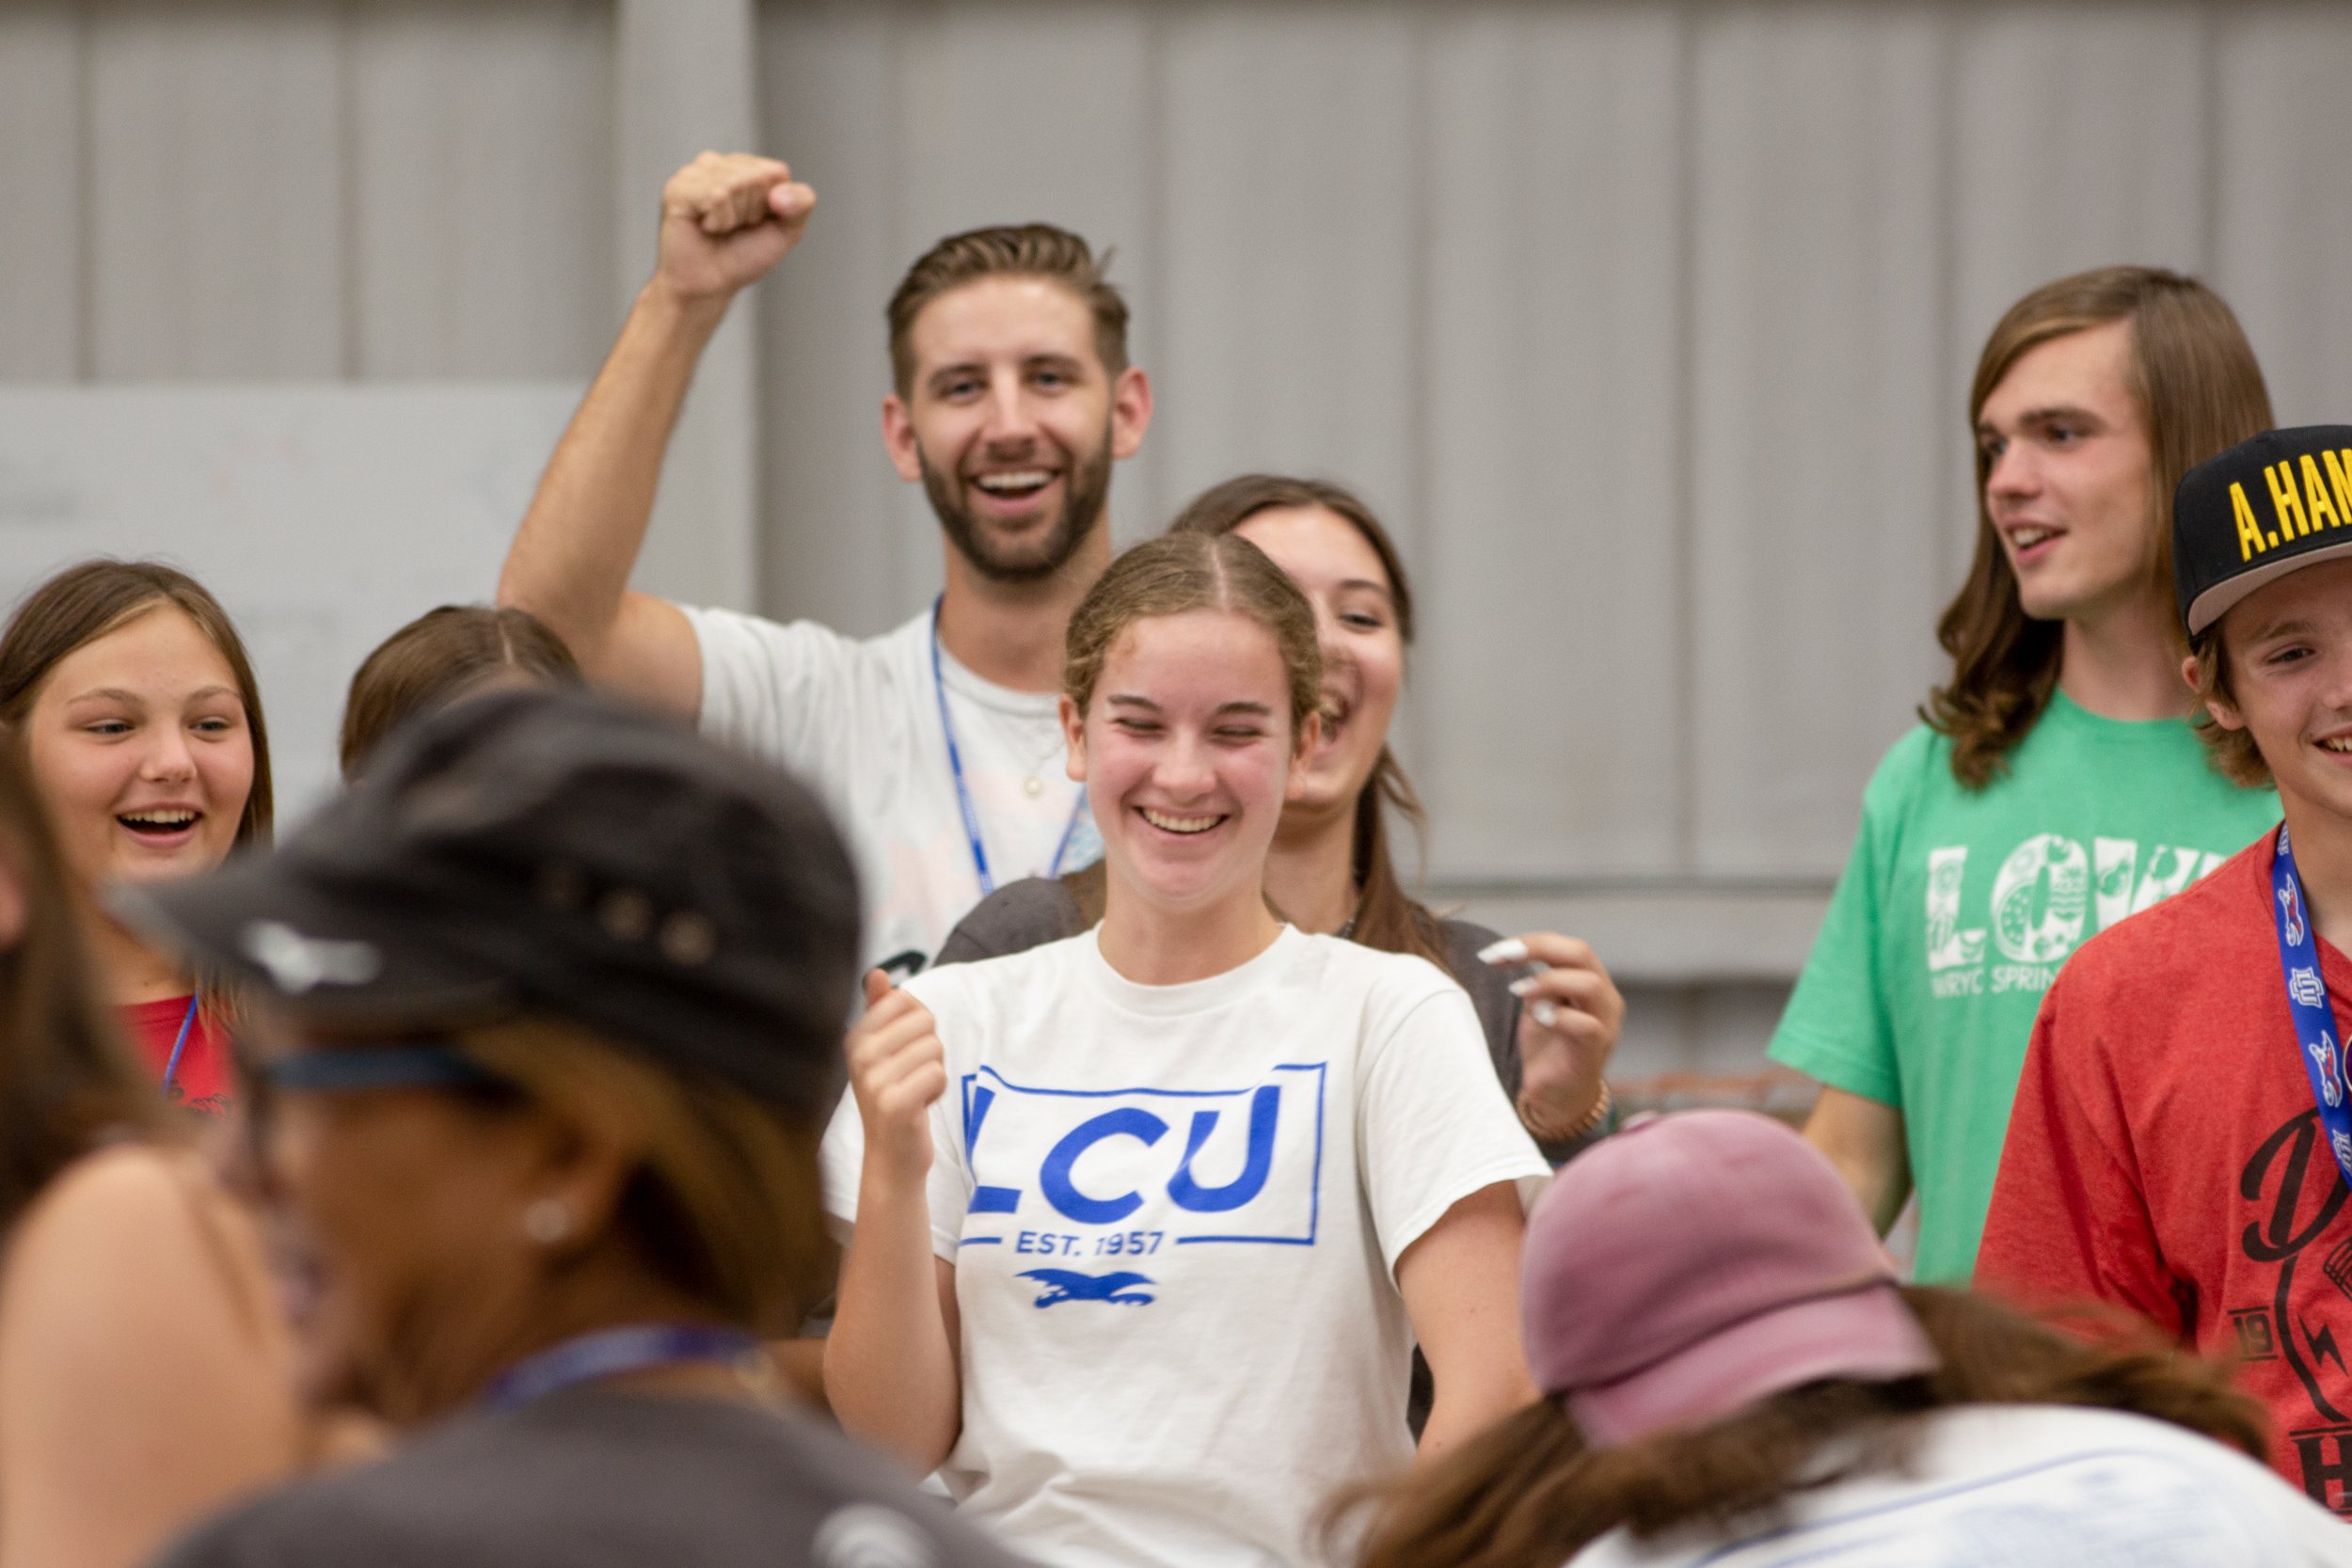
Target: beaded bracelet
1584, 1124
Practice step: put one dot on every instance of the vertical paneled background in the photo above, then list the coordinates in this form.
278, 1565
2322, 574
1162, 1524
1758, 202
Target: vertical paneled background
1646, 325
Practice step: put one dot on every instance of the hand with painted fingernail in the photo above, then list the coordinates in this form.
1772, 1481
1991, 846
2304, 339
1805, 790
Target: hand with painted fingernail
1569, 1022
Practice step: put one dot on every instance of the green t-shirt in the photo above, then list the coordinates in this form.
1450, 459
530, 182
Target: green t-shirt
1956, 909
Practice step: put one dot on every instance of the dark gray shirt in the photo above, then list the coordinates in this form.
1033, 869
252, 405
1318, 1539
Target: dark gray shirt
591, 1477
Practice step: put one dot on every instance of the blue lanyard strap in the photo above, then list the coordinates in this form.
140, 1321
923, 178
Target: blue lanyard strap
2307, 1001
171, 1067
964, 793
610, 1353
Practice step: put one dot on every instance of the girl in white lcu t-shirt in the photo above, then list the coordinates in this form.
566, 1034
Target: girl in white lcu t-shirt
1145, 1220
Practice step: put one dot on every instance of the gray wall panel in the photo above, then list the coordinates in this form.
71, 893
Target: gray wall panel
1816, 439
2283, 237
2082, 139
483, 188
846, 541
1291, 226
41, 189
218, 192
1552, 625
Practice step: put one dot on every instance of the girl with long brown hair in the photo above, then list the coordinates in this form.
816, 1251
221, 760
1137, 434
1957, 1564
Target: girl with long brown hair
1732, 1376
127, 688
2053, 785
144, 1375
1146, 1220
1543, 999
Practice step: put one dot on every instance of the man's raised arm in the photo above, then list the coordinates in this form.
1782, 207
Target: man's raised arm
726, 220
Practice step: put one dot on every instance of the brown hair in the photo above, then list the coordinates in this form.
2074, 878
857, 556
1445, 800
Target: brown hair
2233, 752
2200, 392
1178, 573
724, 1205
1024, 250
1386, 917
83, 603
438, 658
1528, 1493
67, 1079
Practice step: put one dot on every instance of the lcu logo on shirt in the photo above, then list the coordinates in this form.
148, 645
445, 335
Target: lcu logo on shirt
1087, 1176
2044, 894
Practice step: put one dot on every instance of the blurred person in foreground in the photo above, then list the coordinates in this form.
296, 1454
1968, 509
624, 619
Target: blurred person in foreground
2054, 786
2182, 1143
1734, 1377
552, 1000
145, 1376
129, 691
457, 650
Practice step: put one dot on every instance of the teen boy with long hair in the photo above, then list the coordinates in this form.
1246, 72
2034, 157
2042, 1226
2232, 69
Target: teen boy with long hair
2054, 786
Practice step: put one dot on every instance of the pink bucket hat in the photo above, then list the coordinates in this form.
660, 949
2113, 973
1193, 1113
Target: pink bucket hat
1694, 1265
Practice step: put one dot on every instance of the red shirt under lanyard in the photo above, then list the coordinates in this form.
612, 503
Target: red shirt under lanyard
182, 1049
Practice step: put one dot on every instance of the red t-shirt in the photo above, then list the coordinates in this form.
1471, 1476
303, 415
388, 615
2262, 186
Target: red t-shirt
202, 1080
2165, 1156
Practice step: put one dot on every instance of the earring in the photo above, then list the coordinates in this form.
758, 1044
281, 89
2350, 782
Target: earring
547, 1221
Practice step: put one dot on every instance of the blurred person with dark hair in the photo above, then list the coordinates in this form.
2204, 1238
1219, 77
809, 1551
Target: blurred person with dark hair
546, 1023
145, 1376
936, 745
1732, 1376
1330, 868
2054, 786
130, 692
445, 654
2182, 1144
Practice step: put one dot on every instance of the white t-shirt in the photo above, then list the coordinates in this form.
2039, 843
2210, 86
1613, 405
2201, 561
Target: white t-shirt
859, 721
1175, 1214
2029, 1486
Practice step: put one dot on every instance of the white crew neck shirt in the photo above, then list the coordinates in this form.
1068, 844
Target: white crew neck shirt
1175, 1214
859, 721
2027, 1486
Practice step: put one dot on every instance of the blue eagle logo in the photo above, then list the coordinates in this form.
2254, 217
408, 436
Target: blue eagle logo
1070, 1285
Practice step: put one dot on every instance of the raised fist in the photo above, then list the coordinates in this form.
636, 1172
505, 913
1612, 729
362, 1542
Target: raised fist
727, 218
897, 1068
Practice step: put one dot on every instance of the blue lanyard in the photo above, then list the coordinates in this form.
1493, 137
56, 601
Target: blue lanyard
963, 794
2307, 999
609, 1352
187, 1022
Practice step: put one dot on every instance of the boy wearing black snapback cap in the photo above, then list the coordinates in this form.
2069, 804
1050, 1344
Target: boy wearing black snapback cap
2182, 1139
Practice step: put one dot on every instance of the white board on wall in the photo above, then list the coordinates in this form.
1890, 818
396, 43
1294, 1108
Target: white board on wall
322, 517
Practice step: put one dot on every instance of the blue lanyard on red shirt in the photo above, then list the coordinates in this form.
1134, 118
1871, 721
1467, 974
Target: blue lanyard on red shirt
2307, 1002
187, 1022
963, 794
609, 1352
